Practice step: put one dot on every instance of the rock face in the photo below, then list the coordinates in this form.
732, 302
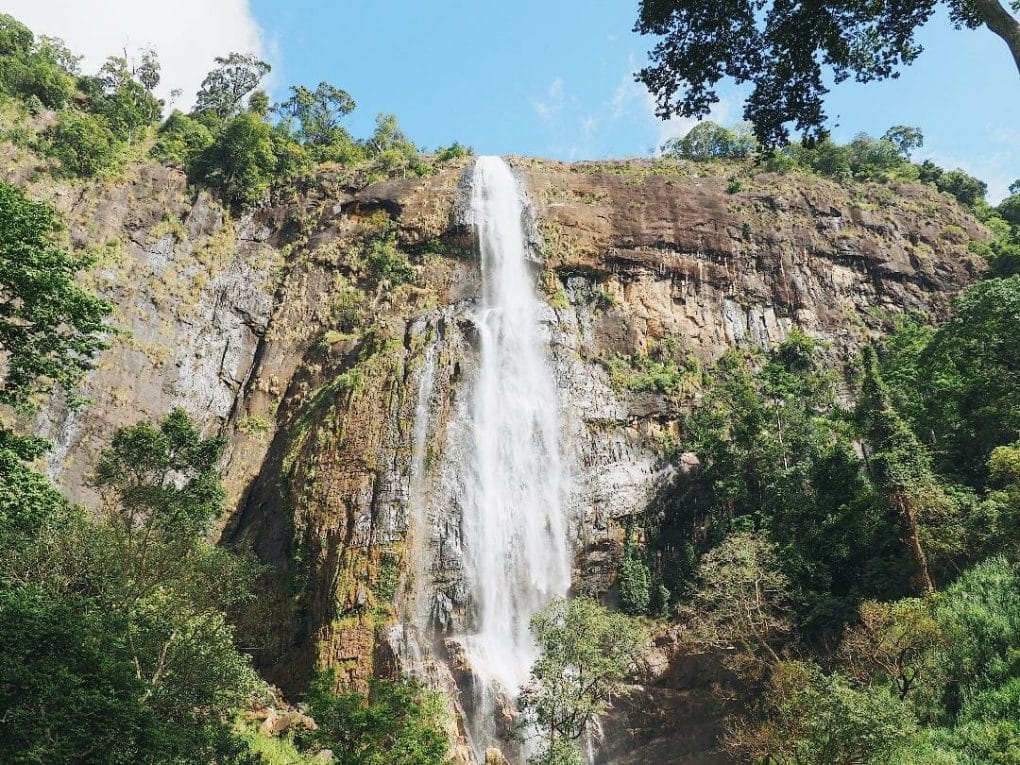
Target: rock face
283, 331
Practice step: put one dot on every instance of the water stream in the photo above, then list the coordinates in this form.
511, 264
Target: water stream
515, 531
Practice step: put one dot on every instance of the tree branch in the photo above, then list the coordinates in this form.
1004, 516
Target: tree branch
1001, 22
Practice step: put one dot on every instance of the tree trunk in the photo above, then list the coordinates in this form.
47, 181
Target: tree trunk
1001, 22
914, 538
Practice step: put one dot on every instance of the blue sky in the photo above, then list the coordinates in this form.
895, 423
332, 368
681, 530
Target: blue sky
553, 79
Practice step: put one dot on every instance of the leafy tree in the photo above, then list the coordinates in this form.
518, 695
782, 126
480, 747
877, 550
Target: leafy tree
400, 724
967, 189
125, 102
241, 163
83, 143
147, 71
50, 327
786, 50
392, 150
586, 653
904, 138
454, 151
964, 379
224, 89
706, 141
181, 140
15, 38
126, 653
742, 597
811, 718
635, 580
902, 468
319, 113
898, 642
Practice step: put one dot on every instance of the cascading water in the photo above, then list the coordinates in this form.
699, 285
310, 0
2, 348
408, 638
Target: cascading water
514, 528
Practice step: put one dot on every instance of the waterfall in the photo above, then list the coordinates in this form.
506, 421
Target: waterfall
514, 529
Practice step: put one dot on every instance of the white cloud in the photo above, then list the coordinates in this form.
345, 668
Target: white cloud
552, 103
186, 34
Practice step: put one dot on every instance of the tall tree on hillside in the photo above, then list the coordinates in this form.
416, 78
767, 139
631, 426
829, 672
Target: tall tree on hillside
785, 50
899, 462
50, 328
224, 89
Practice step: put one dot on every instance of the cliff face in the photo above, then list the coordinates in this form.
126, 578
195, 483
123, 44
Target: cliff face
282, 330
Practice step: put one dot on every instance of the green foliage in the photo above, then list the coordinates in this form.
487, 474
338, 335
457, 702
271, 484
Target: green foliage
385, 261
634, 581
82, 143
864, 158
123, 649
318, 114
789, 52
454, 151
904, 138
224, 89
245, 159
401, 723
817, 719
126, 103
967, 189
392, 151
777, 453
707, 140
181, 140
963, 379
742, 597
586, 653
666, 368
35, 71
50, 328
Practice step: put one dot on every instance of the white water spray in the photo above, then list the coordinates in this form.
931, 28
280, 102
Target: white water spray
515, 532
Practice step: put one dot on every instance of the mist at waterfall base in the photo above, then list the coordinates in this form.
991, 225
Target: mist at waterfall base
515, 532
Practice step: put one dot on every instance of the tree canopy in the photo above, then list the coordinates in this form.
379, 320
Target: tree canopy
786, 50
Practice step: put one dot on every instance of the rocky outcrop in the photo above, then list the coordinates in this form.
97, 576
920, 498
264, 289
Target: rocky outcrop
282, 331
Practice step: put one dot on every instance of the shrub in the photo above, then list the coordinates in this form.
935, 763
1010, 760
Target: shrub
181, 140
386, 262
635, 580
454, 151
83, 143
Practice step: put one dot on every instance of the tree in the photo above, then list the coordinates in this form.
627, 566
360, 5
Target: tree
50, 328
898, 642
225, 87
742, 598
390, 147
125, 653
241, 163
906, 139
401, 723
706, 141
587, 651
319, 113
83, 143
899, 463
181, 140
784, 49
810, 718
635, 580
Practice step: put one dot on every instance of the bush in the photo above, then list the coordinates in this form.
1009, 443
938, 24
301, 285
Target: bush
967, 189
181, 140
454, 151
84, 144
241, 164
400, 723
386, 262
